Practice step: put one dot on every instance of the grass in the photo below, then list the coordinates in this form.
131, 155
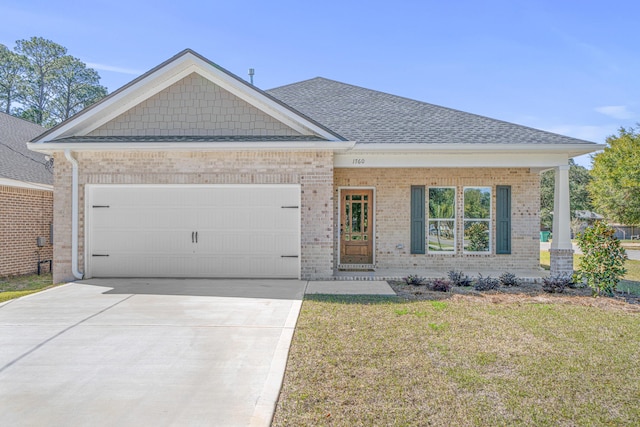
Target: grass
630, 284
18, 286
382, 361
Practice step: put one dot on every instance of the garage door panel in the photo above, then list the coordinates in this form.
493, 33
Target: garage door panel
142, 241
150, 231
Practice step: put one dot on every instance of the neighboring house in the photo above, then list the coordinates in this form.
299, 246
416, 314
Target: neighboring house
626, 232
26, 199
581, 220
189, 171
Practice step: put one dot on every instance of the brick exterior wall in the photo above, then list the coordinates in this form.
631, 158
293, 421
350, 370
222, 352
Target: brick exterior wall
193, 106
25, 214
312, 170
392, 215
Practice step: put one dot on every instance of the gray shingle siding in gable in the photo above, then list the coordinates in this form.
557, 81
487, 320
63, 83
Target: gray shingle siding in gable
369, 116
17, 162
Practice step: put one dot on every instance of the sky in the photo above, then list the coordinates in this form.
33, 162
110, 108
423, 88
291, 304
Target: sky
566, 66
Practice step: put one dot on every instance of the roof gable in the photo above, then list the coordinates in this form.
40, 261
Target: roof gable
194, 106
152, 85
17, 162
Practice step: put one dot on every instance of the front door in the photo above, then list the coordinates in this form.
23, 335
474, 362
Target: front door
356, 227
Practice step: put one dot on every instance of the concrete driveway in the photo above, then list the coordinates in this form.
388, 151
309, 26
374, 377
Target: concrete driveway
141, 352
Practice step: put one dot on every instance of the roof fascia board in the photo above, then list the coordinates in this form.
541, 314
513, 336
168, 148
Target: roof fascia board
193, 146
355, 159
24, 184
167, 75
571, 149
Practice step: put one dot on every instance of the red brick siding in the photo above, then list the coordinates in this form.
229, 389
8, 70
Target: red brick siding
25, 214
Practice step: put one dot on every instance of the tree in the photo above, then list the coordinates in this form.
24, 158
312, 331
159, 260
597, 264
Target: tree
41, 83
12, 68
75, 87
615, 188
44, 59
579, 196
602, 265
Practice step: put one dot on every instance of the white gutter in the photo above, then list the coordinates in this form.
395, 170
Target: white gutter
573, 149
74, 215
192, 146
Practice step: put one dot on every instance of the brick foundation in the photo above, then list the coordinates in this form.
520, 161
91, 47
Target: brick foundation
561, 261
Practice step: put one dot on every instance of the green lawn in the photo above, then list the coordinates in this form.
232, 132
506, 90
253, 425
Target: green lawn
630, 284
18, 286
465, 361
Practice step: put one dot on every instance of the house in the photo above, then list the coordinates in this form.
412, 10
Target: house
26, 199
190, 171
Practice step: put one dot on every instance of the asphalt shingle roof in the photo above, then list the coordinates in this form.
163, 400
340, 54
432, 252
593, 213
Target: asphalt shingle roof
368, 116
16, 160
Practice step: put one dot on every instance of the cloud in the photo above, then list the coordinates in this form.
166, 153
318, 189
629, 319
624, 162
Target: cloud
616, 111
102, 67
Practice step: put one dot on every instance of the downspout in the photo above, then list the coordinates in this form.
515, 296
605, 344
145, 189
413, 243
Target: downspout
74, 214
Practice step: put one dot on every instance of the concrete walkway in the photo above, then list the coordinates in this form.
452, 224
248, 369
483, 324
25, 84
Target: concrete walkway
351, 287
142, 352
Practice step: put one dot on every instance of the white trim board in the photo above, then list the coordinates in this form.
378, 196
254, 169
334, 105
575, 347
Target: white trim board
23, 184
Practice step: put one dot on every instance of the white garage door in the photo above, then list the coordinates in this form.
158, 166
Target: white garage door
193, 231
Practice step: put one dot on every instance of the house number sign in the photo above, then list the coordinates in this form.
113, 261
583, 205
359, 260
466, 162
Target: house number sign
357, 162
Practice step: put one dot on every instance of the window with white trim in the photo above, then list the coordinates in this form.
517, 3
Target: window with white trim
441, 226
477, 219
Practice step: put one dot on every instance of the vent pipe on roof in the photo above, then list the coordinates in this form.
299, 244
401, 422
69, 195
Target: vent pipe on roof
251, 73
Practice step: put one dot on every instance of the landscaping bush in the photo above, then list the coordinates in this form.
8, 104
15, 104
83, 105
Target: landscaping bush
441, 285
413, 279
557, 283
486, 283
602, 265
509, 279
459, 279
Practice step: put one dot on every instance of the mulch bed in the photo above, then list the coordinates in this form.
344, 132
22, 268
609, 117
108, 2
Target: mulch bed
525, 293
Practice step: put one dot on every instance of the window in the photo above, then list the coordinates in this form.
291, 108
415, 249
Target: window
442, 223
477, 219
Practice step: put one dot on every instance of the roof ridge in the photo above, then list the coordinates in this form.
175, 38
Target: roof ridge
301, 81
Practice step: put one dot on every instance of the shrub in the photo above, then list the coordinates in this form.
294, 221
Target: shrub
557, 283
441, 285
413, 279
509, 279
602, 265
486, 283
459, 279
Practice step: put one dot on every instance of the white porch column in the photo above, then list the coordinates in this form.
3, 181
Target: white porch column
561, 248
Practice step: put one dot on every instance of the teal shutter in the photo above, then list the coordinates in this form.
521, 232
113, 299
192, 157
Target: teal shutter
417, 219
503, 219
